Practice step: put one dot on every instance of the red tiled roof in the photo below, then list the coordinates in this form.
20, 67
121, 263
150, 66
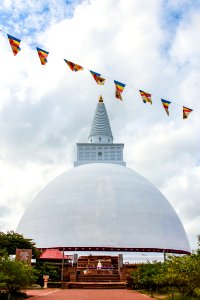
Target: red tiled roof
53, 254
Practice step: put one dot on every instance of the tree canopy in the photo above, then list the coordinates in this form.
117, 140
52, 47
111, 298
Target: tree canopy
181, 273
11, 240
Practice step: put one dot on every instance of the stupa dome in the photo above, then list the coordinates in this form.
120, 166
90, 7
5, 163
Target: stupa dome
103, 207
100, 205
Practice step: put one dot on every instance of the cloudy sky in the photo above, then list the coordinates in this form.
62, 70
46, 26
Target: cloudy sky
44, 110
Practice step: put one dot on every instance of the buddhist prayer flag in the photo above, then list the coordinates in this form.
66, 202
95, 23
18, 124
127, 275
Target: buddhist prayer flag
97, 77
119, 86
14, 43
166, 104
186, 112
119, 89
73, 67
146, 97
42, 55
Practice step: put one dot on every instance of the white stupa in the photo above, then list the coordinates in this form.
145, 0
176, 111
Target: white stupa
101, 205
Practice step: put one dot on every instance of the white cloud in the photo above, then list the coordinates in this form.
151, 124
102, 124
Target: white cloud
45, 110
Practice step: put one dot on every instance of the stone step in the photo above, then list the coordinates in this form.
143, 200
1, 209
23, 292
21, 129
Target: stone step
96, 285
99, 275
98, 278
105, 275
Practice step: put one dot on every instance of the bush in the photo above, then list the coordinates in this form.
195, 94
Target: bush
47, 269
15, 275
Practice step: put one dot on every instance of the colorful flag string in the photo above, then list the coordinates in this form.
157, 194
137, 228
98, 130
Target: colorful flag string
119, 86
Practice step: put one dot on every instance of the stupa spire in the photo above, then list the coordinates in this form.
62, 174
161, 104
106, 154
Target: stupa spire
100, 147
100, 131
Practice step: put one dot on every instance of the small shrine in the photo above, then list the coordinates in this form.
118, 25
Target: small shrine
94, 264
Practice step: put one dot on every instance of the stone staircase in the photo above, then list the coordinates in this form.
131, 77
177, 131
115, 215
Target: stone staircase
97, 281
98, 278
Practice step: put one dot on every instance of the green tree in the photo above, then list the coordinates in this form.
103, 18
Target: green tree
145, 276
183, 273
11, 240
15, 275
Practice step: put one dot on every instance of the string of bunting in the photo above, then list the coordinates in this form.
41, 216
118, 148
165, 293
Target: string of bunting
119, 86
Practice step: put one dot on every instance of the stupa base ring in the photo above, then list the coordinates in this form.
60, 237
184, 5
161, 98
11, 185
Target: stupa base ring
119, 249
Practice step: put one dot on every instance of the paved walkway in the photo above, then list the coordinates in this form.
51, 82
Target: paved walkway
83, 294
